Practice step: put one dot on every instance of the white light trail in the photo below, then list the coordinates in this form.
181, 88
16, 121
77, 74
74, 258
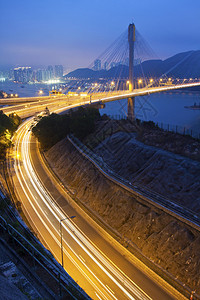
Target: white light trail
111, 270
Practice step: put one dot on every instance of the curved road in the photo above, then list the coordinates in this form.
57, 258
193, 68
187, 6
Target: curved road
100, 266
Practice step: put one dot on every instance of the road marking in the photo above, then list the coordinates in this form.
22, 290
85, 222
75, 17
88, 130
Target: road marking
97, 256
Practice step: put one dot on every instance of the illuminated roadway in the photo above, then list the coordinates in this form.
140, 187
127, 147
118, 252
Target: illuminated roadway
26, 107
103, 271
100, 269
100, 266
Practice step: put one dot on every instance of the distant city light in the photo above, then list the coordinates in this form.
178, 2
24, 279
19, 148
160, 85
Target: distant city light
52, 81
83, 94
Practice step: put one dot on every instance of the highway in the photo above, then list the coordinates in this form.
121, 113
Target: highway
26, 107
97, 263
102, 267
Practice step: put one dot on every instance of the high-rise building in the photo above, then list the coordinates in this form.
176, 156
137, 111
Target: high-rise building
50, 71
113, 64
105, 66
42, 75
23, 74
97, 65
39, 75
137, 61
126, 62
58, 71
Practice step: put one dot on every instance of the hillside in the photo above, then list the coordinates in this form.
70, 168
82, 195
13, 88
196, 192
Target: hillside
162, 238
182, 65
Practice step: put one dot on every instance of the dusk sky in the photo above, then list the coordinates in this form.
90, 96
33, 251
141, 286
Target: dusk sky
74, 32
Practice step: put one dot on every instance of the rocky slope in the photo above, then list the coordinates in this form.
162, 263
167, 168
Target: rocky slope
165, 240
173, 176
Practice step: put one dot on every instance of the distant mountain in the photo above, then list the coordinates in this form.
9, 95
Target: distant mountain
182, 65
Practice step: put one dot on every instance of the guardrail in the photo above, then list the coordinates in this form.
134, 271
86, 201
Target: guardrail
163, 202
64, 284
138, 190
165, 126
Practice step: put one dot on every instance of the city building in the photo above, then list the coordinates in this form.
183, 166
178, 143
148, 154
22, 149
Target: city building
58, 71
97, 65
113, 64
23, 74
42, 75
105, 66
126, 61
39, 75
51, 72
137, 61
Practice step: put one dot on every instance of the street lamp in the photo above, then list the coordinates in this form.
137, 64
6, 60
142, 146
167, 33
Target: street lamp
128, 83
61, 243
139, 83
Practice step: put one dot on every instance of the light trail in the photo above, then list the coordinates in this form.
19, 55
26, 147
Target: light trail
18, 167
114, 273
53, 103
44, 207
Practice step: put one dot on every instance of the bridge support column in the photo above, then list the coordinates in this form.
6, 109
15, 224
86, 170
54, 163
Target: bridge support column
131, 101
131, 109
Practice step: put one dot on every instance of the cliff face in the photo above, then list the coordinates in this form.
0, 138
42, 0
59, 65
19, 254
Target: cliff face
165, 240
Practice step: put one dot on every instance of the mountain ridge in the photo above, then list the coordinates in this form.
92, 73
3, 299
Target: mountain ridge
181, 65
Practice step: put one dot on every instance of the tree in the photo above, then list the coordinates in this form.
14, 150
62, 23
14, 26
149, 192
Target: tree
51, 129
7, 127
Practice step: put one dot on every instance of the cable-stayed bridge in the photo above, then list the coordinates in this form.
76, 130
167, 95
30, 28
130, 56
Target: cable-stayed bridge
104, 271
131, 52
125, 59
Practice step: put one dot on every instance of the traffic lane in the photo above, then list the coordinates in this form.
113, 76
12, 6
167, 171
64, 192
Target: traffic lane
105, 278
121, 260
99, 274
45, 231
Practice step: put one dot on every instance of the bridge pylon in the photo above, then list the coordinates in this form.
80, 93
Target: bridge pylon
131, 100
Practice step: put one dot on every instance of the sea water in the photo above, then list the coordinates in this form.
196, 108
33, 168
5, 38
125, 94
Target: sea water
166, 109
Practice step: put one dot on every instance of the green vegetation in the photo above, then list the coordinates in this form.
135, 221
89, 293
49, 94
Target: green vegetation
83, 121
8, 125
53, 128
